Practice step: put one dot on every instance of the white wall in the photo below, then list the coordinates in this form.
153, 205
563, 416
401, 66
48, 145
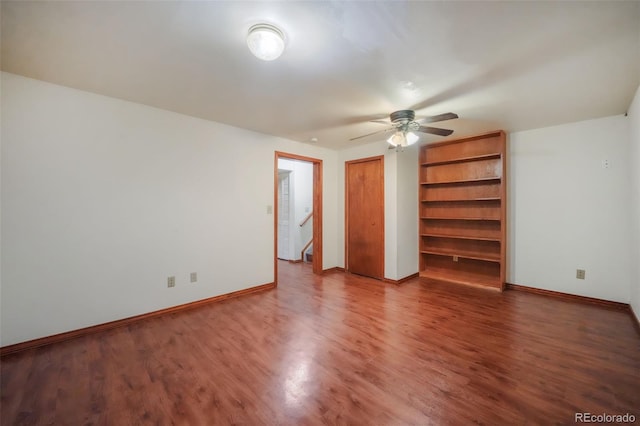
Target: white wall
401, 208
634, 163
407, 214
567, 212
103, 199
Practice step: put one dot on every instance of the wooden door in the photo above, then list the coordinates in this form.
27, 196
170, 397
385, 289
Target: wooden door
364, 181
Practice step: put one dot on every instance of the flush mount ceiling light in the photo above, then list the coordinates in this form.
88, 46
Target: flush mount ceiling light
265, 41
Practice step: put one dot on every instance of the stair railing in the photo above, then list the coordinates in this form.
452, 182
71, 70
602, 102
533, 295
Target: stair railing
308, 244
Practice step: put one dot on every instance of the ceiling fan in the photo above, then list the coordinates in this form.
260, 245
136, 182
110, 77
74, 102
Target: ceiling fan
403, 123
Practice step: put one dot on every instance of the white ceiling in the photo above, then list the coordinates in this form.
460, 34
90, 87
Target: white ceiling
508, 65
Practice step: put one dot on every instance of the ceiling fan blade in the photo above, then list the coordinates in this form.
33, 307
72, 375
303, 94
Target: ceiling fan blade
374, 133
440, 117
435, 131
381, 122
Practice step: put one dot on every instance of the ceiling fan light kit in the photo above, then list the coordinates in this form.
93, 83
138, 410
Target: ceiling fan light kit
265, 41
403, 139
404, 124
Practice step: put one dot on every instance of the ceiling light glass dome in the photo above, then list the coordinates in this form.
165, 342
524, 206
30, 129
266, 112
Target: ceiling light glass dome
265, 41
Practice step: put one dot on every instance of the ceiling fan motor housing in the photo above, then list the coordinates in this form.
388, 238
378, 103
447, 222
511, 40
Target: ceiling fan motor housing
402, 116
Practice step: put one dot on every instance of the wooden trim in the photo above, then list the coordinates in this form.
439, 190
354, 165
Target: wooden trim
306, 246
317, 210
306, 219
275, 218
345, 241
61, 337
281, 154
580, 299
401, 280
504, 219
636, 319
317, 260
568, 296
334, 269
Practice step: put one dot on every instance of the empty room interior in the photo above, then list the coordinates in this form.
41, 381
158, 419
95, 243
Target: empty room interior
319, 212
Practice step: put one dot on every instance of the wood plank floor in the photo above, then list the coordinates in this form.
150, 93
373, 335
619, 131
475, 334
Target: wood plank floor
339, 349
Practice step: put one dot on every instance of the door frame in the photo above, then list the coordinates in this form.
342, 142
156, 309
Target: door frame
317, 211
346, 210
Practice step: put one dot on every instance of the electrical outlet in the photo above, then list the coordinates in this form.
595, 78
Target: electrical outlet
194, 277
580, 274
171, 282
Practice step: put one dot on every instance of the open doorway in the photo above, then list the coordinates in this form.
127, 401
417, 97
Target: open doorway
298, 210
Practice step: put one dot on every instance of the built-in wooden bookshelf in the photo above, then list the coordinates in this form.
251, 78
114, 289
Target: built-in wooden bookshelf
463, 211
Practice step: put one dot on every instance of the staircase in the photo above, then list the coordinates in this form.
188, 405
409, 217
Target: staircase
306, 254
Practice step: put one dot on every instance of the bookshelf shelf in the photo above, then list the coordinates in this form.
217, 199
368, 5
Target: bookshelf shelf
463, 211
